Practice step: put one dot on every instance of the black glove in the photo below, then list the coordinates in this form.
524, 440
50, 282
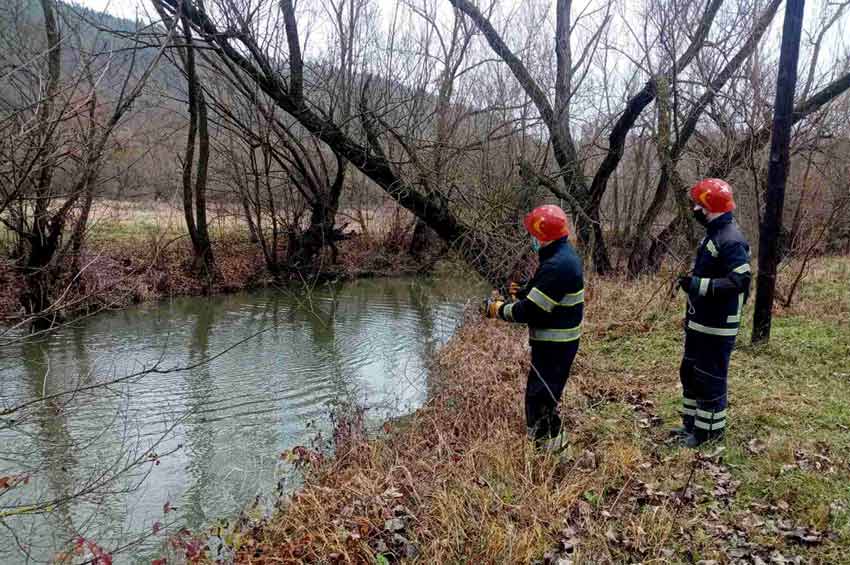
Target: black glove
686, 283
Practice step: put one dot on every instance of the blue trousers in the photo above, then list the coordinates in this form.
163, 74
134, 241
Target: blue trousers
704, 373
547, 378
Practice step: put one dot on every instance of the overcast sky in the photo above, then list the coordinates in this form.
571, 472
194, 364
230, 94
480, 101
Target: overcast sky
836, 44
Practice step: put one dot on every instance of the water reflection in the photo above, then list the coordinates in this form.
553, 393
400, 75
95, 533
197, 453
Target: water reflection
220, 426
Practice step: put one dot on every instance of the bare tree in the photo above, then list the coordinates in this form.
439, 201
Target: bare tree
644, 255
55, 139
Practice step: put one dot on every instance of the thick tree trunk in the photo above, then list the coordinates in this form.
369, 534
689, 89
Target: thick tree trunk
43, 237
305, 247
422, 240
204, 252
777, 172
38, 278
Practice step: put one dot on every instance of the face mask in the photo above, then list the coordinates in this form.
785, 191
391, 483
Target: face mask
699, 216
535, 245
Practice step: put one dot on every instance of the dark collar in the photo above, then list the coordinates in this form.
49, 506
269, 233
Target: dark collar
550, 250
720, 221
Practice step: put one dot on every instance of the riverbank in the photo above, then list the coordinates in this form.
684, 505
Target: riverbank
121, 269
456, 482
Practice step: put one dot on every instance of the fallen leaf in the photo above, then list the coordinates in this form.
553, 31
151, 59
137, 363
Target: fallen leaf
394, 525
756, 446
393, 492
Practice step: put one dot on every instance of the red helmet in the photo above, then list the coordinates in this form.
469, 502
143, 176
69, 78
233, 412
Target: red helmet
547, 223
714, 195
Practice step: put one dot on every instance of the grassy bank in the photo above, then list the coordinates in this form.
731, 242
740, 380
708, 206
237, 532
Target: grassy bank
456, 482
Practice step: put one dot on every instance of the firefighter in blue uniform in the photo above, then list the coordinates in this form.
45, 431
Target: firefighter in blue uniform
552, 304
716, 292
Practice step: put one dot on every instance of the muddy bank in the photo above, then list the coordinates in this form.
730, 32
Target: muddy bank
122, 272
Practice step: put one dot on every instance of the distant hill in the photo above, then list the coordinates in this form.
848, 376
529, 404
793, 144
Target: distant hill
87, 35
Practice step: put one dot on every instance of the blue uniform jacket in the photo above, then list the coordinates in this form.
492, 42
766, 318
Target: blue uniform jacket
721, 283
552, 303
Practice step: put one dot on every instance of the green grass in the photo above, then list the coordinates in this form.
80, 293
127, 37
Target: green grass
789, 438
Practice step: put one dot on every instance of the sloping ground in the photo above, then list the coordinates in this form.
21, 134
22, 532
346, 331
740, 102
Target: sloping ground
456, 482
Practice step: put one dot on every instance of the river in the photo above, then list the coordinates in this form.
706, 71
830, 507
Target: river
240, 379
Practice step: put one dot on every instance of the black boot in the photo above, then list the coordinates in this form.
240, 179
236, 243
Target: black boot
685, 429
699, 438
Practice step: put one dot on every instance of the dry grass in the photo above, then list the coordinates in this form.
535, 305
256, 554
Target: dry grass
456, 482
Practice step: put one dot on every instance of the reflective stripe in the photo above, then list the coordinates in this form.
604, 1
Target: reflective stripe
508, 313
728, 332
703, 286
572, 299
706, 415
712, 248
559, 335
737, 317
741, 269
688, 412
689, 402
710, 426
544, 302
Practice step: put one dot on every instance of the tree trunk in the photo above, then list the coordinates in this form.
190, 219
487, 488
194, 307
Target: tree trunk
422, 240
194, 192
777, 172
38, 278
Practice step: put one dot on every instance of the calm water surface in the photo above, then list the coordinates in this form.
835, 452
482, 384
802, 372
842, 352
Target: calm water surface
218, 427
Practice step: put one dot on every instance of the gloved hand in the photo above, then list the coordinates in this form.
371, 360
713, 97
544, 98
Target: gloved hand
686, 283
513, 289
490, 307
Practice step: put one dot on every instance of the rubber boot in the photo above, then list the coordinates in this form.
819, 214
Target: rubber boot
686, 429
555, 444
699, 438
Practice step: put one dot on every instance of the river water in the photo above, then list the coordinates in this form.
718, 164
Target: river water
239, 379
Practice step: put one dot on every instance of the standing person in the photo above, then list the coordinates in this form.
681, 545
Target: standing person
717, 290
552, 304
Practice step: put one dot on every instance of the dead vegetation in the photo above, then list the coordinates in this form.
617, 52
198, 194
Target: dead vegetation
134, 266
456, 482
